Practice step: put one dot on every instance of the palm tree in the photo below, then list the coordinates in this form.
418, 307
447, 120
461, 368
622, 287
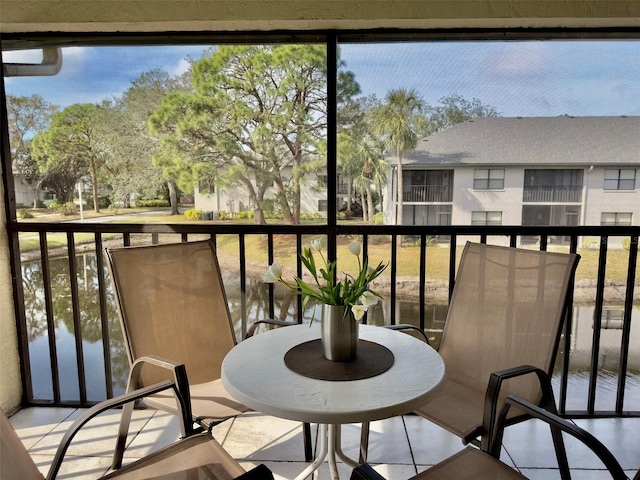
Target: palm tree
373, 171
399, 121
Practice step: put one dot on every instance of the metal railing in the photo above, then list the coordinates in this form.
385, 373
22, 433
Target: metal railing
127, 234
551, 194
428, 193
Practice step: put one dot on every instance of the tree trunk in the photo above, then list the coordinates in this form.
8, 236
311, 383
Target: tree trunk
173, 196
362, 206
370, 207
94, 185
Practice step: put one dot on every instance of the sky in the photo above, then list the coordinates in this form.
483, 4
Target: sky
533, 78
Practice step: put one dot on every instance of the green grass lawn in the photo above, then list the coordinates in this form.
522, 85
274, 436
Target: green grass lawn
437, 257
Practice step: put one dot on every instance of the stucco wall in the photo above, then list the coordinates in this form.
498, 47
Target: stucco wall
10, 386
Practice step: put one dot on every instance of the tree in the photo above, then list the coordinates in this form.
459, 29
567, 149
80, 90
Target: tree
69, 150
399, 121
27, 116
257, 117
129, 167
454, 109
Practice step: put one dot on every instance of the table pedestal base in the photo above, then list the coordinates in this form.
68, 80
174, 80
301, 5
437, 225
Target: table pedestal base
330, 447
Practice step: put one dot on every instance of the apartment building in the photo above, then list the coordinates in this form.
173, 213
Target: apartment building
523, 171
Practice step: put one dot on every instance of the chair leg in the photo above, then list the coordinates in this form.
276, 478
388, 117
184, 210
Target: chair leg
561, 453
308, 450
123, 430
364, 443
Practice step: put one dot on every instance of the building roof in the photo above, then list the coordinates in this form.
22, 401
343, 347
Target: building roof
541, 141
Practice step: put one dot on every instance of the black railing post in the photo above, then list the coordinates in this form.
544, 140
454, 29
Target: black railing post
626, 324
597, 324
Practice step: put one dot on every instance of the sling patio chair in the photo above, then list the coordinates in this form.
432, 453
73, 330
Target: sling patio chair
173, 310
500, 336
485, 464
196, 456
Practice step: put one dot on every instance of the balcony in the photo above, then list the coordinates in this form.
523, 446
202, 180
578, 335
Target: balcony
427, 193
595, 384
400, 447
552, 194
599, 377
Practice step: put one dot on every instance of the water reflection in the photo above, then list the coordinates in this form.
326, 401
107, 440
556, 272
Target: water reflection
256, 305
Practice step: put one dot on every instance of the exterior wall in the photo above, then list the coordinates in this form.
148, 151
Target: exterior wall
221, 198
10, 384
24, 192
598, 200
508, 200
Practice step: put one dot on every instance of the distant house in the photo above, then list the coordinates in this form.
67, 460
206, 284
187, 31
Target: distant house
235, 198
523, 171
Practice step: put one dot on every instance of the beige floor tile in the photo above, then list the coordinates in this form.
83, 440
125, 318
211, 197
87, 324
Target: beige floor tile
97, 437
388, 443
162, 429
78, 468
32, 424
430, 443
258, 437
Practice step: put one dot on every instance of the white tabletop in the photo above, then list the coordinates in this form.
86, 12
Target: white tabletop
255, 374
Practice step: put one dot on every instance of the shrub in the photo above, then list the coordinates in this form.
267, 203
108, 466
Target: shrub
25, 214
68, 209
51, 204
154, 203
193, 214
245, 214
626, 243
378, 218
224, 215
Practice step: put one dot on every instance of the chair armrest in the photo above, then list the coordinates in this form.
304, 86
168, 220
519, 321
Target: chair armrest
365, 472
558, 423
102, 407
493, 394
407, 326
268, 321
179, 377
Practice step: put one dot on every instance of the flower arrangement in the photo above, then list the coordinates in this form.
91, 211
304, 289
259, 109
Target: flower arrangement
351, 291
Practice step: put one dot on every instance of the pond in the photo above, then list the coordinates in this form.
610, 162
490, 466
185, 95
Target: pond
256, 304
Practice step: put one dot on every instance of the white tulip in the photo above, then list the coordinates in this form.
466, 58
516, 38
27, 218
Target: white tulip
316, 244
274, 273
354, 247
368, 299
358, 312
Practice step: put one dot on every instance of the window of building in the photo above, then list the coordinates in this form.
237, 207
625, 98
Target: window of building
486, 218
615, 218
622, 179
488, 179
322, 205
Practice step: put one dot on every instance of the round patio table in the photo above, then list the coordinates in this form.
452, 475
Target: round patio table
255, 373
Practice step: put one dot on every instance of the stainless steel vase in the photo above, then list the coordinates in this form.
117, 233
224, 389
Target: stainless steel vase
339, 334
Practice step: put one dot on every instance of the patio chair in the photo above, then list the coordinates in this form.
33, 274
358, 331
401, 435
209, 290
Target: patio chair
484, 463
173, 310
197, 456
500, 337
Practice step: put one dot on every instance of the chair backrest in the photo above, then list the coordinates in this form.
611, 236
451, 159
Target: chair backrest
172, 303
15, 461
506, 310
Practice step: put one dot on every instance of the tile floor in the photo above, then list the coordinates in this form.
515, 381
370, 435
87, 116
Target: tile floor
400, 447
